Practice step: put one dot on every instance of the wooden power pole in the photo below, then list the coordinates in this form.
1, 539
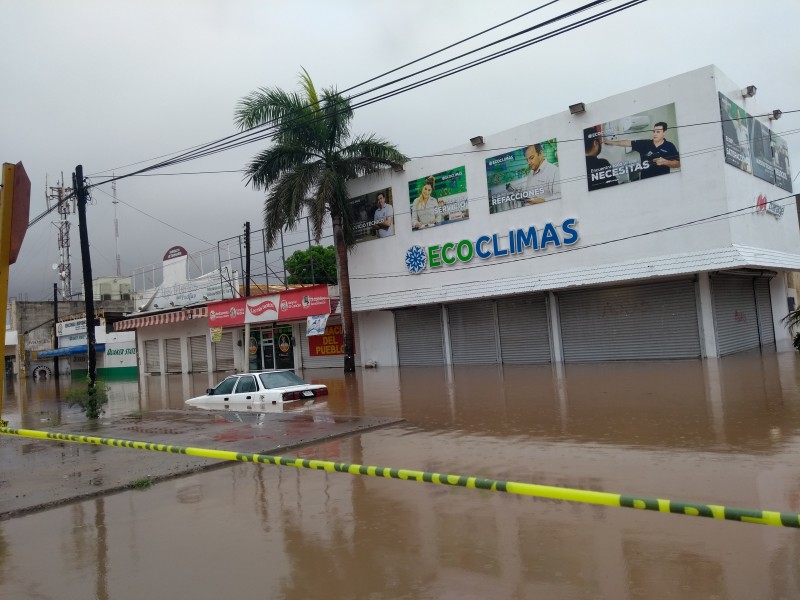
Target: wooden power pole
88, 292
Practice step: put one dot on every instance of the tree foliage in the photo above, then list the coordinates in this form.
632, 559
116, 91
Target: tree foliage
792, 320
315, 265
306, 169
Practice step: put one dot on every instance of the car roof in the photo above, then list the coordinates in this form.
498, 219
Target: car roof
261, 371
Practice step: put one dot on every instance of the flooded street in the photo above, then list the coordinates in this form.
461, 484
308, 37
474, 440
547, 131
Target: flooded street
718, 431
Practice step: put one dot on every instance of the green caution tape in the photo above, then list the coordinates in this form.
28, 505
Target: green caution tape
714, 511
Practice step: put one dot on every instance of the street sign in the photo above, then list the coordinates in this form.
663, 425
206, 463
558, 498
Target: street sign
20, 210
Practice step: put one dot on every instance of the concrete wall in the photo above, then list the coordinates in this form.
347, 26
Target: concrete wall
606, 219
610, 221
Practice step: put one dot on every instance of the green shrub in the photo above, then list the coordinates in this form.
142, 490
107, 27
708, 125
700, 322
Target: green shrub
91, 400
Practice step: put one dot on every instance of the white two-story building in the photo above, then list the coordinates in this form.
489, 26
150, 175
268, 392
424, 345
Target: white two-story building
655, 224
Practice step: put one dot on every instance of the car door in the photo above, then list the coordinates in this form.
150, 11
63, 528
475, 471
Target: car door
245, 393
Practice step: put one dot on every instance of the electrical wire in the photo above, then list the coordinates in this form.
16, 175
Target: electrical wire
710, 219
272, 122
157, 219
517, 147
215, 147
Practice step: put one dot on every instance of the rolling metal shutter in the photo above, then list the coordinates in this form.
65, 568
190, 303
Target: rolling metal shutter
420, 341
643, 322
223, 352
764, 306
152, 362
473, 333
735, 315
524, 330
199, 353
173, 352
320, 362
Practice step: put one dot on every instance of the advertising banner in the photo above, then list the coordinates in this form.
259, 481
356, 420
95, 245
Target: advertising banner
523, 177
752, 146
300, 303
71, 327
207, 287
736, 134
297, 303
331, 343
226, 313
780, 162
373, 215
761, 151
635, 147
316, 325
439, 199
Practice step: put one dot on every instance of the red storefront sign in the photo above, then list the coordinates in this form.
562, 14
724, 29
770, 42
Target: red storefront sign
297, 303
330, 343
227, 312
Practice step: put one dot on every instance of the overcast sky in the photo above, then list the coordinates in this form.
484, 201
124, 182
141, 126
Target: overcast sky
112, 82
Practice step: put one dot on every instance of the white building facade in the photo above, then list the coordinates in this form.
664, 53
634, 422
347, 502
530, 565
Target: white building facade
670, 238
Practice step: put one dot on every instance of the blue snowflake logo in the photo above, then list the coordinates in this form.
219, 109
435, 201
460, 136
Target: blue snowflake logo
416, 259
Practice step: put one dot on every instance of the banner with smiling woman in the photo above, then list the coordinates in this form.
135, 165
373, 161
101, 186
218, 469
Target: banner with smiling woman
439, 199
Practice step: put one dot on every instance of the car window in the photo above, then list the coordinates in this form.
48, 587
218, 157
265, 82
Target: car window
226, 387
280, 379
246, 384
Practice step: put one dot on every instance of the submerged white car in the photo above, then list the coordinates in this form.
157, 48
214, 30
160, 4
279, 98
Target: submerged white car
258, 391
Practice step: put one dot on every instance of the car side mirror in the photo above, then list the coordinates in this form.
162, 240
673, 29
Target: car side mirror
209, 391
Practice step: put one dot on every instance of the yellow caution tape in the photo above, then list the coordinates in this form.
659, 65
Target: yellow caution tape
714, 511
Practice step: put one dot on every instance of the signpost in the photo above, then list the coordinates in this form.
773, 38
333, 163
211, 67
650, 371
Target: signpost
15, 200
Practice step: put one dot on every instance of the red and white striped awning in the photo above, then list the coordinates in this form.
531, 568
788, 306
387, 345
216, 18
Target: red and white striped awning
162, 319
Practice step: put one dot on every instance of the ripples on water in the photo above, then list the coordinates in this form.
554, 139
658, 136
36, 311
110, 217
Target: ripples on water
715, 431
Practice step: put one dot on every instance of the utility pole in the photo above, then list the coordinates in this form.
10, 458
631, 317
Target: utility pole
116, 223
247, 259
88, 292
55, 328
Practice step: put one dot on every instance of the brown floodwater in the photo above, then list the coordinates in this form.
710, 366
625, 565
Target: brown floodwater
718, 431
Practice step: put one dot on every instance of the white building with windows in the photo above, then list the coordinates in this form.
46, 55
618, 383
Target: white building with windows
655, 224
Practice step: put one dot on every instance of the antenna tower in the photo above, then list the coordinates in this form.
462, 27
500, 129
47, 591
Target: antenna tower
57, 195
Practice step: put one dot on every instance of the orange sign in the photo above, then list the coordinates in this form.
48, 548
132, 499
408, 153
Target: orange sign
330, 343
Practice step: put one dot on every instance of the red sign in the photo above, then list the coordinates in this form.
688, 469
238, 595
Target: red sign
175, 252
297, 303
20, 210
227, 312
300, 303
261, 307
330, 343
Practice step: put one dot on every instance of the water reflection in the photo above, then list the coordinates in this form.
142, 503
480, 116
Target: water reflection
41, 404
722, 431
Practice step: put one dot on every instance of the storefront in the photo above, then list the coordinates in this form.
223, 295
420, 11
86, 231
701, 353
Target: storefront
243, 334
663, 237
271, 347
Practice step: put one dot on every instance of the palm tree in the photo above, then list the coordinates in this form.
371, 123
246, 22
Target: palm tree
792, 322
306, 170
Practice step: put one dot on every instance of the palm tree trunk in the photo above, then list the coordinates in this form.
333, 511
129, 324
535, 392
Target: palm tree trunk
344, 295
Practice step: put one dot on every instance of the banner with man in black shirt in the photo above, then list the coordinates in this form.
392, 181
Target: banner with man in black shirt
632, 148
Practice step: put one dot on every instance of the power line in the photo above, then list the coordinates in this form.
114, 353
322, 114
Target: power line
264, 125
215, 147
261, 135
710, 219
516, 147
156, 218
